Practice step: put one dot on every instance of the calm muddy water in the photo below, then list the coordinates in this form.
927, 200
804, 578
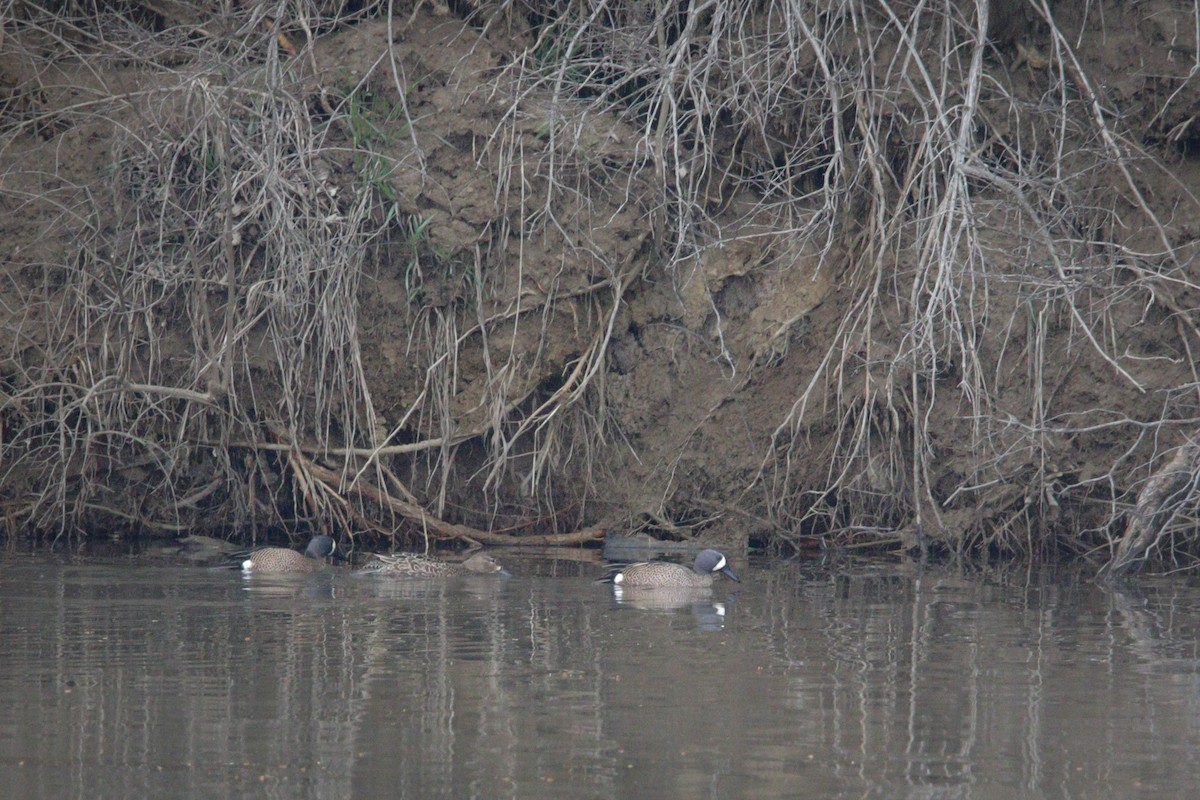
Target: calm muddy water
123, 677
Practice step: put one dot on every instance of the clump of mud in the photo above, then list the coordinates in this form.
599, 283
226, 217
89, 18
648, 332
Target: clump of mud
886, 276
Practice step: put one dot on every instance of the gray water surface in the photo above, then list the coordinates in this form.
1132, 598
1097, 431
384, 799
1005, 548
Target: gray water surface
127, 678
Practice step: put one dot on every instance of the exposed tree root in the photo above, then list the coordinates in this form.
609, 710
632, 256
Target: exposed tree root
1157, 505
332, 481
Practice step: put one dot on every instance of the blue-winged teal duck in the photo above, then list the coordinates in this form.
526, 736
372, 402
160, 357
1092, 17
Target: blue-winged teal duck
280, 559
421, 566
666, 575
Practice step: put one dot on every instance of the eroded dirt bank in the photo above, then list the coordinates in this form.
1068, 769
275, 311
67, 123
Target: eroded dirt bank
527, 269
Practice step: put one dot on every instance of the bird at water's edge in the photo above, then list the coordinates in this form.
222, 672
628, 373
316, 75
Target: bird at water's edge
423, 566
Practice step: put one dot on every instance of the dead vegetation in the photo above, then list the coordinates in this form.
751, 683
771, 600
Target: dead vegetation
860, 273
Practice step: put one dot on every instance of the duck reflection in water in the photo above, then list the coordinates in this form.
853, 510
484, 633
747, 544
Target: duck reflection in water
708, 615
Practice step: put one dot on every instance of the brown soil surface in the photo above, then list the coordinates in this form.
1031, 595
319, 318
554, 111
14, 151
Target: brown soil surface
510, 316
